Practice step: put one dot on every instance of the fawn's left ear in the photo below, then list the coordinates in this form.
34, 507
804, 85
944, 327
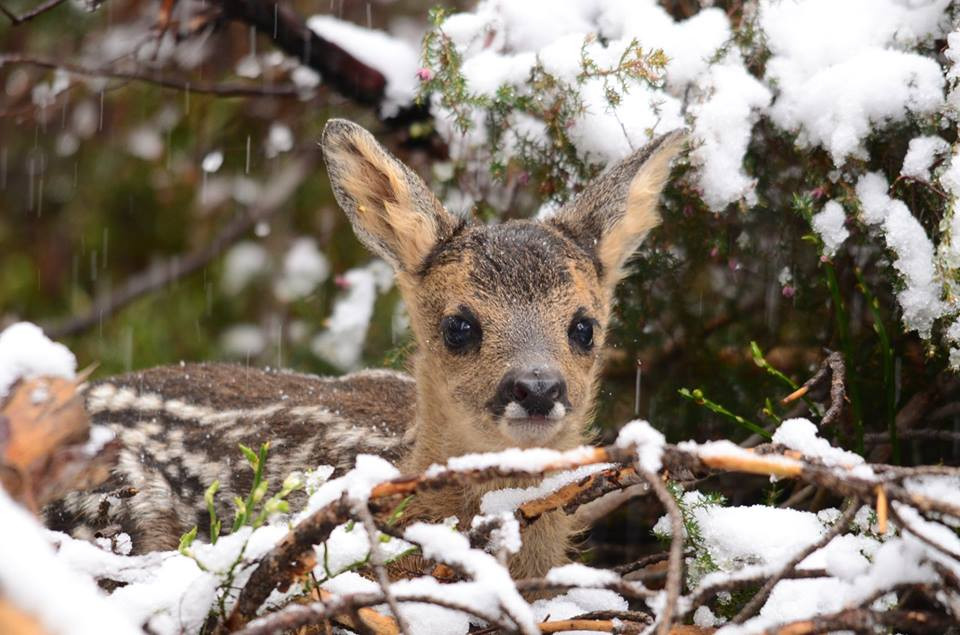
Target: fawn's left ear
616, 210
393, 212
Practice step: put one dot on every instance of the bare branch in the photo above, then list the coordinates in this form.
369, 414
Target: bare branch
40, 9
379, 567
207, 88
675, 569
280, 189
756, 602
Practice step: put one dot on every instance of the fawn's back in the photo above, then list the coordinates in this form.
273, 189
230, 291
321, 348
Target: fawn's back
180, 427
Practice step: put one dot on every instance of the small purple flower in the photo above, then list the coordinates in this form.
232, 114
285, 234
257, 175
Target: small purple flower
424, 74
788, 291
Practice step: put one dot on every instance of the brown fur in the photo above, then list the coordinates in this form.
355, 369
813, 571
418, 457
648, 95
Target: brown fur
524, 282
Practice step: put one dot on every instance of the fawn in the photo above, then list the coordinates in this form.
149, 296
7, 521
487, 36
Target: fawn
509, 321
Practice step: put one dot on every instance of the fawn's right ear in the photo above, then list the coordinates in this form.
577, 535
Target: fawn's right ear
391, 209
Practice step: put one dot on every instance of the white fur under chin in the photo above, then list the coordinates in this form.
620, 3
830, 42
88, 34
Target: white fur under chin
517, 424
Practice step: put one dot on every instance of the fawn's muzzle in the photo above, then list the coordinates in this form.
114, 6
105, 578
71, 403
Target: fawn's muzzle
534, 393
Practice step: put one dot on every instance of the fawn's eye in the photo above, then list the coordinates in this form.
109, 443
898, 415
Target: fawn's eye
581, 332
460, 333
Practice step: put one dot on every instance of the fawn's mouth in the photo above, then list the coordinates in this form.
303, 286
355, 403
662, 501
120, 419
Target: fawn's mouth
531, 428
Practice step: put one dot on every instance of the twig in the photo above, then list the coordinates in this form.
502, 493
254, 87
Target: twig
863, 620
834, 365
294, 554
675, 569
32, 13
626, 588
704, 594
156, 277
646, 561
297, 615
207, 88
379, 567
761, 596
922, 537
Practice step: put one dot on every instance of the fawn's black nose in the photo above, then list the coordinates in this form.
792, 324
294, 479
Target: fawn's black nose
536, 390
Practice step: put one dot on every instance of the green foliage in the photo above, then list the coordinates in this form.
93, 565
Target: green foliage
697, 396
552, 161
701, 562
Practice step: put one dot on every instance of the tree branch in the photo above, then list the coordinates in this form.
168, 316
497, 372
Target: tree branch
206, 88
271, 201
339, 69
40, 9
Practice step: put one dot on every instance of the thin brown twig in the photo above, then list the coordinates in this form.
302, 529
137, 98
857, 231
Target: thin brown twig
675, 568
297, 615
757, 601
646, 561
704, 594
380, 568
834, 365
206, 88
922, 537
40, 9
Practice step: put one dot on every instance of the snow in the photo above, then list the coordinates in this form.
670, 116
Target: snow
937, 487
647, 440
28, 564
723, 125
369, 470
341, 343
829, 225
905, 236
25, 352
506, 537
511, 460
509, 499
279, 140
244, 262
841, 72
801, 435
397, 60
756, 534
577, 602
443, 544
212, 161
304, 268
921, 154
243, 341
581, 575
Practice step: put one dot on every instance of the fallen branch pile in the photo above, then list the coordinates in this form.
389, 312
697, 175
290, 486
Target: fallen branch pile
912, 513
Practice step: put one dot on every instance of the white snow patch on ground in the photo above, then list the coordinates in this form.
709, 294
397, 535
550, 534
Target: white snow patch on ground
28, 568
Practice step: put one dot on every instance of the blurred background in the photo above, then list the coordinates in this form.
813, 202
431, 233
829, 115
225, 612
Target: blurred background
163, 198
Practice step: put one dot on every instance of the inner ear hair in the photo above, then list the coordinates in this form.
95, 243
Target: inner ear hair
617, 209
393, 212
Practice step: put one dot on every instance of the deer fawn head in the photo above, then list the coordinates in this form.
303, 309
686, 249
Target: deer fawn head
509, 319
